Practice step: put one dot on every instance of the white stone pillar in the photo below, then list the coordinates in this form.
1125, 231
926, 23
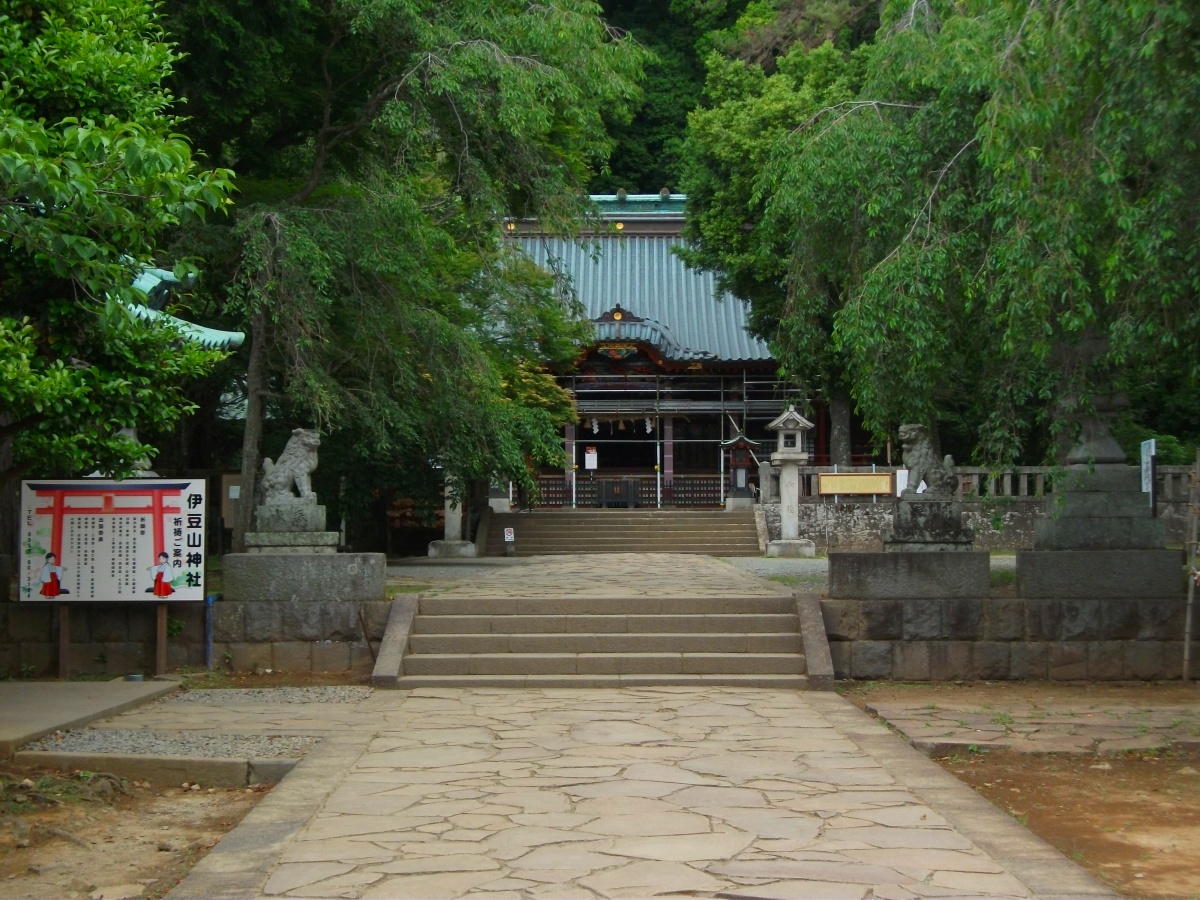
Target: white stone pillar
454, 518
789, 501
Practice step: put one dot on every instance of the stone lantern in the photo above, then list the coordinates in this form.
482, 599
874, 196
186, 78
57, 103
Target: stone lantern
789, 455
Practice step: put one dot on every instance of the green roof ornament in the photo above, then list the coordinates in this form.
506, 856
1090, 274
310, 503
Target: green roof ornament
157, 285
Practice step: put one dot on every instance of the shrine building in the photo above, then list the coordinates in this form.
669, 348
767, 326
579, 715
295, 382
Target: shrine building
674, 394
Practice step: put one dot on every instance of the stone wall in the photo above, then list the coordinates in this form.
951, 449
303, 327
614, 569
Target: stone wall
1006, 525
1006, 638
858, 526
119, 639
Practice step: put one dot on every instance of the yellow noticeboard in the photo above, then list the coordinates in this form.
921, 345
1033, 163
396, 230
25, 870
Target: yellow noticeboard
854, 483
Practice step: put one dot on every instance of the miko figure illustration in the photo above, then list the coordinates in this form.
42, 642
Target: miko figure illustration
51, 577
162, 577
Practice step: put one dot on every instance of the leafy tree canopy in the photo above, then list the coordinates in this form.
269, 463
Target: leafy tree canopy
381, 147
91, 173
997, 215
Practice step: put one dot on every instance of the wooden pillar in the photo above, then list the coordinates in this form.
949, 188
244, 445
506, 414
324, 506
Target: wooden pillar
160, 641
64, 641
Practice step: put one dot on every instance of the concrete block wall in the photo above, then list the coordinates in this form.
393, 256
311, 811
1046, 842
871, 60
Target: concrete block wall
1001, 639
119, 639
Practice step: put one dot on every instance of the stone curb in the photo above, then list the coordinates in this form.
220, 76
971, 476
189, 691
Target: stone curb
239, 865
389, 665
203, 770
1025, 856
818, 661
8, 746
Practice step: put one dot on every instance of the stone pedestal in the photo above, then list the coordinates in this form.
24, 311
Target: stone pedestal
292, 542
295, 516
285, 577
927, 526
452, 549
1099, 508
1099, 540
909, 576
291, 526
791, 549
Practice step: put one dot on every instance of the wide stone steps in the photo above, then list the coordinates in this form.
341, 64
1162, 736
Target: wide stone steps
709, 532
719, 623
581, 641
597, 643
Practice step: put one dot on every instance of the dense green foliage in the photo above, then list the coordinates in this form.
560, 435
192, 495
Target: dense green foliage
982, 218
91, 173
380, 147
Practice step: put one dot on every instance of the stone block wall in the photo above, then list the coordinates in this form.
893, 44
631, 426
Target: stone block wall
119, 639
1000, 639
859, 526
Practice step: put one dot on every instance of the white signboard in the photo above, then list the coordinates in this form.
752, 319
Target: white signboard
1148, 452
591, 459
510, 535
95, 539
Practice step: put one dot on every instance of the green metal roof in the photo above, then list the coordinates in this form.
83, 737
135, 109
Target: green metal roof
612, 205
688, 319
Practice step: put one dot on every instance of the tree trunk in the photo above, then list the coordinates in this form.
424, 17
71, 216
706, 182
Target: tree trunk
839, 429
9, 500
256, 376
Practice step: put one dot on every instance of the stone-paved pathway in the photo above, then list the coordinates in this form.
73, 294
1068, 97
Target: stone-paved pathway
556, 793
940, 729
600, 575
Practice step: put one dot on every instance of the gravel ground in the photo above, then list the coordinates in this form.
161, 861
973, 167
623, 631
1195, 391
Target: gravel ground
155, 744
223, 746
242, 696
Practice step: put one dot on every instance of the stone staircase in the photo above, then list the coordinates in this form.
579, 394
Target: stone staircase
574, 641
713, 532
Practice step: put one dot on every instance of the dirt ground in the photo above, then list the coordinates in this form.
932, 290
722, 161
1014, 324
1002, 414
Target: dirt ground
59, 840
1132, 819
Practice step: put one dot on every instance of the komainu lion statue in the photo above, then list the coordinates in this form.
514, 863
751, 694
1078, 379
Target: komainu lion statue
923, 465
295, 464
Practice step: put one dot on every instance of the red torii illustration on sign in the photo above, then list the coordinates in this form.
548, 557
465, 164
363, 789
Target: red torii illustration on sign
157, 498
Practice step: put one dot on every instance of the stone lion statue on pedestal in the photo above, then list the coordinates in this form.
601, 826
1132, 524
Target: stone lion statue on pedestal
292, 470
923, 465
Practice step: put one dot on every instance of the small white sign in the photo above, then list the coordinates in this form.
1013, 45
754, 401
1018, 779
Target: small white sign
510, 535
591, 459
1149, 449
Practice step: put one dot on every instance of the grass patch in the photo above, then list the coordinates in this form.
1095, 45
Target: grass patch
1002, 577
405, 587
19, 794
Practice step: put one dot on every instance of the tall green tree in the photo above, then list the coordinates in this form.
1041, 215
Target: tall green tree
92, 172
1000, 217
381, 153
731, 142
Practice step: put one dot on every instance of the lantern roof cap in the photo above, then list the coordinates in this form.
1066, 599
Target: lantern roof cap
790, 420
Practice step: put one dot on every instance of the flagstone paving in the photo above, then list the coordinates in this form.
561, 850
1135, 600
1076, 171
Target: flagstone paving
942, 729
557, 793
600, 575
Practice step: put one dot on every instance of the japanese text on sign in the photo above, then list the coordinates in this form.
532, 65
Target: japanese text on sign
95, 539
